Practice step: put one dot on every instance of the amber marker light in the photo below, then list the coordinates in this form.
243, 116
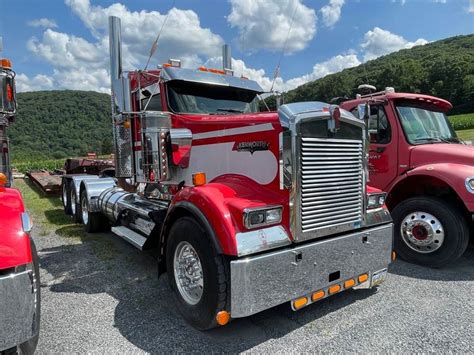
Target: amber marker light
223, 317
300, 302
3, 179
317, 295
334, 289
199, 179
127, 124
6, 63
363, 277
349, 283
394, 255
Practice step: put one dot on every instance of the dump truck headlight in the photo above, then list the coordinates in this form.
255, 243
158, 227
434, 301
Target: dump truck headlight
470, 184
376, 200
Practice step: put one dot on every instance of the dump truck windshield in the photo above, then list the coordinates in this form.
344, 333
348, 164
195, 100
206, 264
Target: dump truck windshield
186, 97
424, 126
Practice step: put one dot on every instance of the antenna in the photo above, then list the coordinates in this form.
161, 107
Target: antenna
154, 46
277, 69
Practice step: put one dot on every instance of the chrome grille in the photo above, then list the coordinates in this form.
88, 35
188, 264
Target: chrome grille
331, 186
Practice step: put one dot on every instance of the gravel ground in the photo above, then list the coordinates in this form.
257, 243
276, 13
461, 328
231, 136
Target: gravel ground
100, 294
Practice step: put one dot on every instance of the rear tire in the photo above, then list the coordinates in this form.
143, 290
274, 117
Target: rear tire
93, 221
76, 211
201, 311
419, 243
29, 346
65, 196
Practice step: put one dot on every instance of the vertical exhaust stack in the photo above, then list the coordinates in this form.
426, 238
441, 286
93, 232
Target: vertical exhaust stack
121, 103
226, 57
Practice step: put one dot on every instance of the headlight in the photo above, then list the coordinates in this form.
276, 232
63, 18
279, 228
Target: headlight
376, 200
26, 222
470, 184
262, 216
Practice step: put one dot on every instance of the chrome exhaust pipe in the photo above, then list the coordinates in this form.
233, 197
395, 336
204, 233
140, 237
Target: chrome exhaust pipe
226, 57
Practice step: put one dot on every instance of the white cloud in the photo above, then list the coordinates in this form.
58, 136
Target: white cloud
265, 24
43, 22
470, 8
379, 42
332, 12
82, 64
39, 82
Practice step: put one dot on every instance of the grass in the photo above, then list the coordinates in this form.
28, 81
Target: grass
49, 217
466, 134
462, 122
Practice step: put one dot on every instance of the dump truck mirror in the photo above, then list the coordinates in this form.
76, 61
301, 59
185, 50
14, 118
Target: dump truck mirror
7, 93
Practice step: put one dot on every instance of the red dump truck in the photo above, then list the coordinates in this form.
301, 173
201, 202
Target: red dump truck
247, 209
19, 269
426, 170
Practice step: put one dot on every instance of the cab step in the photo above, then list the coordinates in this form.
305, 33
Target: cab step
134, 238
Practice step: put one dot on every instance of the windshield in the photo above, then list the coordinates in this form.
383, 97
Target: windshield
422, 126
186, 97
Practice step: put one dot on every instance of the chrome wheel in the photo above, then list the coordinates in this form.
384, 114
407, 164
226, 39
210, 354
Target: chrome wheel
422, 232
73, 202
188, 273
85, 212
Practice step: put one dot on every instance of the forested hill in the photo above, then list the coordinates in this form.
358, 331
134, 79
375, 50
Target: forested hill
58, 124
443, 68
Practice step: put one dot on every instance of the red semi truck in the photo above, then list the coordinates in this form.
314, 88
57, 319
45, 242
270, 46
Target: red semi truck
247, 209
427, 171
19, 269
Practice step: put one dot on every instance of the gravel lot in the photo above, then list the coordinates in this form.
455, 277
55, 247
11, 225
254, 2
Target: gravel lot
100, 294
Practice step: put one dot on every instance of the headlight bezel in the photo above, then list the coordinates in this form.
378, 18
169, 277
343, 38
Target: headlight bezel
248, 212
470, 184
376, 200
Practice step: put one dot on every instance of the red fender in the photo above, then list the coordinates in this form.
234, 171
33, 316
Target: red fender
222, 202
15, 246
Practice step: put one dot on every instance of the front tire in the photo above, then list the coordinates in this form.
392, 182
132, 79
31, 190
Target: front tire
197, 275
429, 231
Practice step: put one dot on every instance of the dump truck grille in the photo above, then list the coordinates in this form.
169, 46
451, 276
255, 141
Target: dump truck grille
331, 186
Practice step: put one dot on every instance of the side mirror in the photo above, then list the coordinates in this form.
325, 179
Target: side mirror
7, 93
363, 111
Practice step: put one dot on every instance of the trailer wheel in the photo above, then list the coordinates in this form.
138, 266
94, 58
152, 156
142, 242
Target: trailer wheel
76, 212
429, 231
29, 346
197, 275
93, 221
65, 196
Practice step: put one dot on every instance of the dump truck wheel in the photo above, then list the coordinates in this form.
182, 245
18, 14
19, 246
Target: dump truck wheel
429, 231
76, 211
197, 274
65, 196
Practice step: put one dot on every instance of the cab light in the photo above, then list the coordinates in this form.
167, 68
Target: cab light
199, 179
223, 317
363, 278
317, 295
3, 180
334, 289
6, 63
349, 283
300, 302
202, 69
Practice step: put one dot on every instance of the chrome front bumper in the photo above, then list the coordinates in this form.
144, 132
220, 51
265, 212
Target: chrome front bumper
17, 309
264, 281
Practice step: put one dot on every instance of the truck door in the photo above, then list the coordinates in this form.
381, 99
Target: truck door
383, 153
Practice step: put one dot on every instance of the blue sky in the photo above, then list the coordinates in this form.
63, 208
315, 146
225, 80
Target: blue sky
62, 44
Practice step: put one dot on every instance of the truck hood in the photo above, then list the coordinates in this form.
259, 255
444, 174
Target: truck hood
15, 247
442, 153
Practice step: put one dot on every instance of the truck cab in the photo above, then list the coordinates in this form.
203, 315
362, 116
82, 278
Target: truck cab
427, 171
19, 268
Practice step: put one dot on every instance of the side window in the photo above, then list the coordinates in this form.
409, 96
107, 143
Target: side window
379, 126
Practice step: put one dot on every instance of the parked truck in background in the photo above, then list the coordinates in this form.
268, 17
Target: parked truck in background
247, 209
427, 171
19, 269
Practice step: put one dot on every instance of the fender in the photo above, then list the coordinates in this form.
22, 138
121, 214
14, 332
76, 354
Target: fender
452, 174
15, 247
220, 205
93, 188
